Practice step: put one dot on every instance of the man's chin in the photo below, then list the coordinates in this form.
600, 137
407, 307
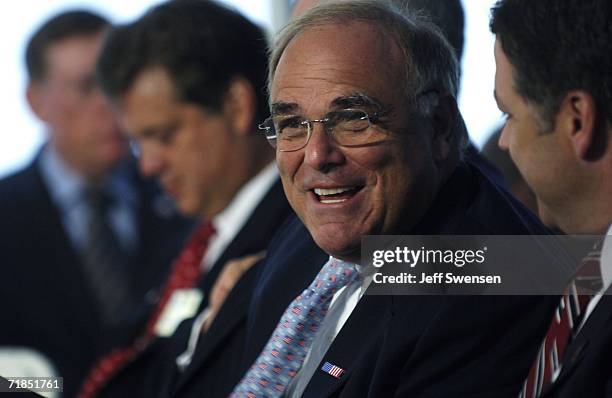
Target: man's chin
186, 208
340, 246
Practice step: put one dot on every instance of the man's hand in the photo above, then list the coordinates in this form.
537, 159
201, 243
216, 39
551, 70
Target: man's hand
232, 271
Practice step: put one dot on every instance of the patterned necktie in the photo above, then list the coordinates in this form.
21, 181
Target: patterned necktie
564, 325
184, 274
286, 350
104, 260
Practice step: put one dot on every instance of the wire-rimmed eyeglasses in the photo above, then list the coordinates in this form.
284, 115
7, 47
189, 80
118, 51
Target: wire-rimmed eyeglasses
348, 127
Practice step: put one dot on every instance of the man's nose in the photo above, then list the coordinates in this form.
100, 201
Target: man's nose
322, 152
150, 160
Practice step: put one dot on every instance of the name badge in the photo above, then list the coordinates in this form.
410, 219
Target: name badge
183, 304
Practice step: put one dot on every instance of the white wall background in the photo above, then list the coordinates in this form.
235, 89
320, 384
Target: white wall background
21, 134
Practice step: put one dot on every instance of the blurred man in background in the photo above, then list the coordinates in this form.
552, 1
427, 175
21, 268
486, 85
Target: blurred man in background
85, 242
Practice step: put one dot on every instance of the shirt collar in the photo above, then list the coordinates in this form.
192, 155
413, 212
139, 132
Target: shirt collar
231, 219
64, 183
606, 259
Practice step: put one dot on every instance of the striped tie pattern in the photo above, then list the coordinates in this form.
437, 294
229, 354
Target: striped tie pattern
286, 350
566, 320
184, 274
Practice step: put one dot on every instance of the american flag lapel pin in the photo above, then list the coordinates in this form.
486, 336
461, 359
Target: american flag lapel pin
332, 370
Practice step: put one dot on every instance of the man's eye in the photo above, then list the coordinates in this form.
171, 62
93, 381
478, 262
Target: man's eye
165, 137
349, 120
289, 123
85, 86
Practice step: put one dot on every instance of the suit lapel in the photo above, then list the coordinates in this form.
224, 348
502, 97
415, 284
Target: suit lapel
351, 344
252, 238
68, 276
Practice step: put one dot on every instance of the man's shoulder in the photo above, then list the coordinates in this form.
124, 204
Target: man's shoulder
20, 188
292, 240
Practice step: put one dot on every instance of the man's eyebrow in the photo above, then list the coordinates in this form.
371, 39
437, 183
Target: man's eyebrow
283, 108
155, 130
149, 132
356, 101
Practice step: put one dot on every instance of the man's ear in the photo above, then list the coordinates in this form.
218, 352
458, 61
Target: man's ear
34, 96
577, 116
444, 119
239, 106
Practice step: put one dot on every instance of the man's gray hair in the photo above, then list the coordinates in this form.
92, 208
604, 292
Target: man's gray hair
430, 63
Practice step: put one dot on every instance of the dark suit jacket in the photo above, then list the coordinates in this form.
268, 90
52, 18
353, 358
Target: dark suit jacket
420, 346
587, 362
46, 304
219, 352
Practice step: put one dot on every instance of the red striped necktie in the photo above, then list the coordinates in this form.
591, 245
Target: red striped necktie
564, 325
184, 274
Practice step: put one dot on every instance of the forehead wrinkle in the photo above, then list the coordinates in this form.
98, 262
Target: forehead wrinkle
354, 100
304, 64
347, 97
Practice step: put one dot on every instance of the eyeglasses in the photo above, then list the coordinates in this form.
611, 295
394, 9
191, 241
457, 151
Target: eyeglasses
347, 127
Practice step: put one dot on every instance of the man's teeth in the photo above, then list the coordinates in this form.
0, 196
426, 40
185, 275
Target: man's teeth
322, 193
330, 201
331, 191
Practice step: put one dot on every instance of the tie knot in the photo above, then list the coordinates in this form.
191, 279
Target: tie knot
98, 198
334, 275
204, 231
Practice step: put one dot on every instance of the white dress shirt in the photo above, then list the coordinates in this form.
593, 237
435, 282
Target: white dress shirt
231, 220
606, 274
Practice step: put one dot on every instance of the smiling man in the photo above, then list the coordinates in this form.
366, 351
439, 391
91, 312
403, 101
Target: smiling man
343, 194
369, 141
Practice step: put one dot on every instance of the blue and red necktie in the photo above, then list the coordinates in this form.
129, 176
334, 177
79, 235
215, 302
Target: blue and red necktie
286, 350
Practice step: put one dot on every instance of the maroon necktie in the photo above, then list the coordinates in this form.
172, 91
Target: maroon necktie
564, 325
184, 274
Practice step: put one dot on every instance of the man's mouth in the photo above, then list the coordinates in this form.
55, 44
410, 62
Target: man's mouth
335, 195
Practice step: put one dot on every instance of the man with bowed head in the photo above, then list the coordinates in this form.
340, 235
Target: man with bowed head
187, 79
